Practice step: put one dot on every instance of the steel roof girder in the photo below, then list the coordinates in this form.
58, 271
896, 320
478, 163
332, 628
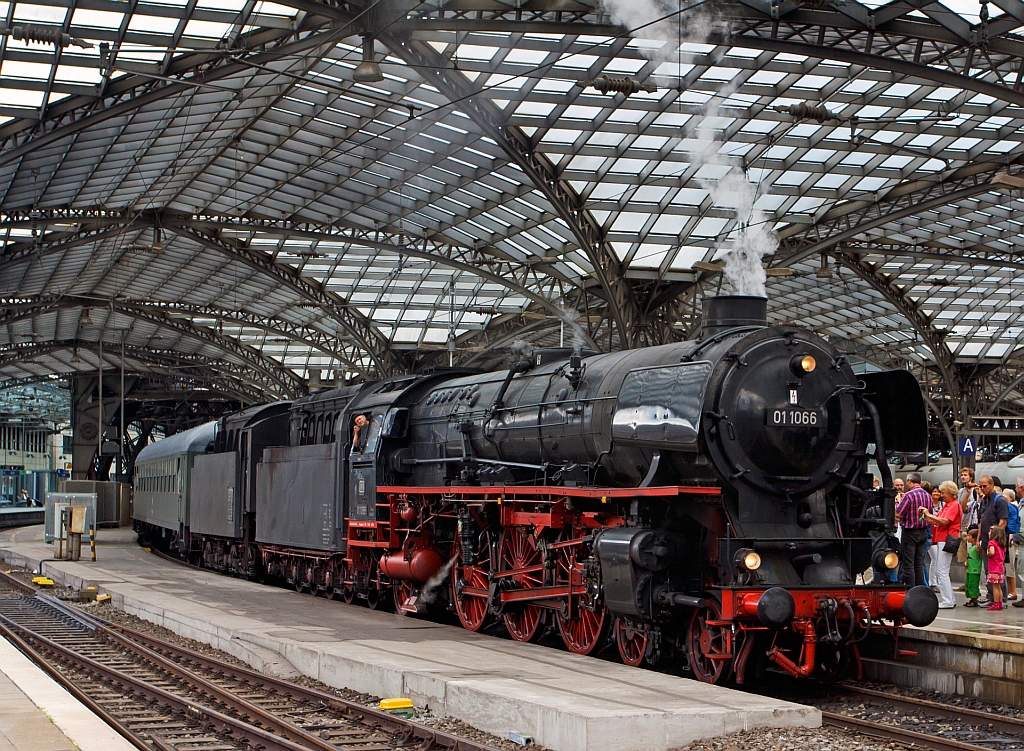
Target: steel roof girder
538, 168
255, 387
129, 93
848, 221
100, 222
922, 324
287, 380
443, 253
361, 330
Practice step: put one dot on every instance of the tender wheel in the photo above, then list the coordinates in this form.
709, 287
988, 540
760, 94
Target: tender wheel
472, 607
402, 591
336, 572
519, 551
374, 601
587, 630
348, 594
709, 646
632, 643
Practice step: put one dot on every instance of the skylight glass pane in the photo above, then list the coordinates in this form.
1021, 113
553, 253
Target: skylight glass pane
98, 19
207, 29
153, 24
18, 69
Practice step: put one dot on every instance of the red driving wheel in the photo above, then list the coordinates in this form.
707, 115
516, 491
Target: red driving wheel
471, 607
402, 591
710, 645
631, 641
587, 629
519, 551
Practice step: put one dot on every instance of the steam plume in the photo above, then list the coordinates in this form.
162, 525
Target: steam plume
728, 184
429, 591
731, 188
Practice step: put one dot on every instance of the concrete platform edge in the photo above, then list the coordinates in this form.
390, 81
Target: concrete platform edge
987, 642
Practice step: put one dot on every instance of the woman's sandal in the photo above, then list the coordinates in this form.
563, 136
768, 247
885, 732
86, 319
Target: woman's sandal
971, 604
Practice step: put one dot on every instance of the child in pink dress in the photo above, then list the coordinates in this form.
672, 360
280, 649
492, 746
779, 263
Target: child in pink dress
996, 566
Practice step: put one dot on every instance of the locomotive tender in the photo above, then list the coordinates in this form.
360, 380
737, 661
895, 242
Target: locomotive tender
709, 498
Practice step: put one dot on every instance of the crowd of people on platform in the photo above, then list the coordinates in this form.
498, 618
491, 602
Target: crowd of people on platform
977, 524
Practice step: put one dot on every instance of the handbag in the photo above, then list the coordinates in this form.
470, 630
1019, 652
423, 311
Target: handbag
951, 545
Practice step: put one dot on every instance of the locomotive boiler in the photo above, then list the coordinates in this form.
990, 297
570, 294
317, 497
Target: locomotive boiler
708, 498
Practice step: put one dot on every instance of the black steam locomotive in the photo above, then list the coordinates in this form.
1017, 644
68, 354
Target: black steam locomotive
709, 498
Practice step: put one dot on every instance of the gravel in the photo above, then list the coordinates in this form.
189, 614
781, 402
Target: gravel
918, 720
793, 739
964, 702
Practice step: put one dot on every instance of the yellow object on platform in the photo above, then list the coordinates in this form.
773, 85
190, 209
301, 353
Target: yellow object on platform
389, 704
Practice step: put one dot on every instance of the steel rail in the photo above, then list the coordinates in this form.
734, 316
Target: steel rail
253, 713
237, 729
899, 735
26, 649
947, 711
161, 654
425, 737
16, 583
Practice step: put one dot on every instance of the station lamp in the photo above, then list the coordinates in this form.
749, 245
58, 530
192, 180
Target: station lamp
368, 71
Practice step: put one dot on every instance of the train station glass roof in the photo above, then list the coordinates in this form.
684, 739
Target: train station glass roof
205, 186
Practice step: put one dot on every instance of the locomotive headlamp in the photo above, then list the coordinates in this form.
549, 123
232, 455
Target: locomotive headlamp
803, 364
747, 559
886, 559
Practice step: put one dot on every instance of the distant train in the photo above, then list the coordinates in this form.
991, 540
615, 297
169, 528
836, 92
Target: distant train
1006, 471
708, 499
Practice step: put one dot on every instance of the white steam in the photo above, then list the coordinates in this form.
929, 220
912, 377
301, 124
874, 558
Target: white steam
730, 187
520, 349
428, 593
571, 320
659, 26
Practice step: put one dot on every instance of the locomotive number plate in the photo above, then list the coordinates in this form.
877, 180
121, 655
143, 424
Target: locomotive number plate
794, 418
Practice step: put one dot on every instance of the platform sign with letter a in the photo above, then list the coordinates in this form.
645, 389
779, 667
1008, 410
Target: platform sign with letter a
966, 446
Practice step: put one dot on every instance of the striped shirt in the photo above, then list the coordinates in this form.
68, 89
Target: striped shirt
908, 510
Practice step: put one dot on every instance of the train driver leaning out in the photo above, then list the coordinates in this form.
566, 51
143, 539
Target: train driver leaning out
360, 422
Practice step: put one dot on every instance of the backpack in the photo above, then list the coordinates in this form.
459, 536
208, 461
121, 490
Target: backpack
1013, 521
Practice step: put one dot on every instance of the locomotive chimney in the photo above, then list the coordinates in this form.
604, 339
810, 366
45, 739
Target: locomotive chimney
732, 311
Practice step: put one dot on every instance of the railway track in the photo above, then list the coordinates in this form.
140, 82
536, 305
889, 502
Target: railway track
165, 697
918, 723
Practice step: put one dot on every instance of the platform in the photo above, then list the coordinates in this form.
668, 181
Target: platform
969, 652
20, 517
563, 701
37, 714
